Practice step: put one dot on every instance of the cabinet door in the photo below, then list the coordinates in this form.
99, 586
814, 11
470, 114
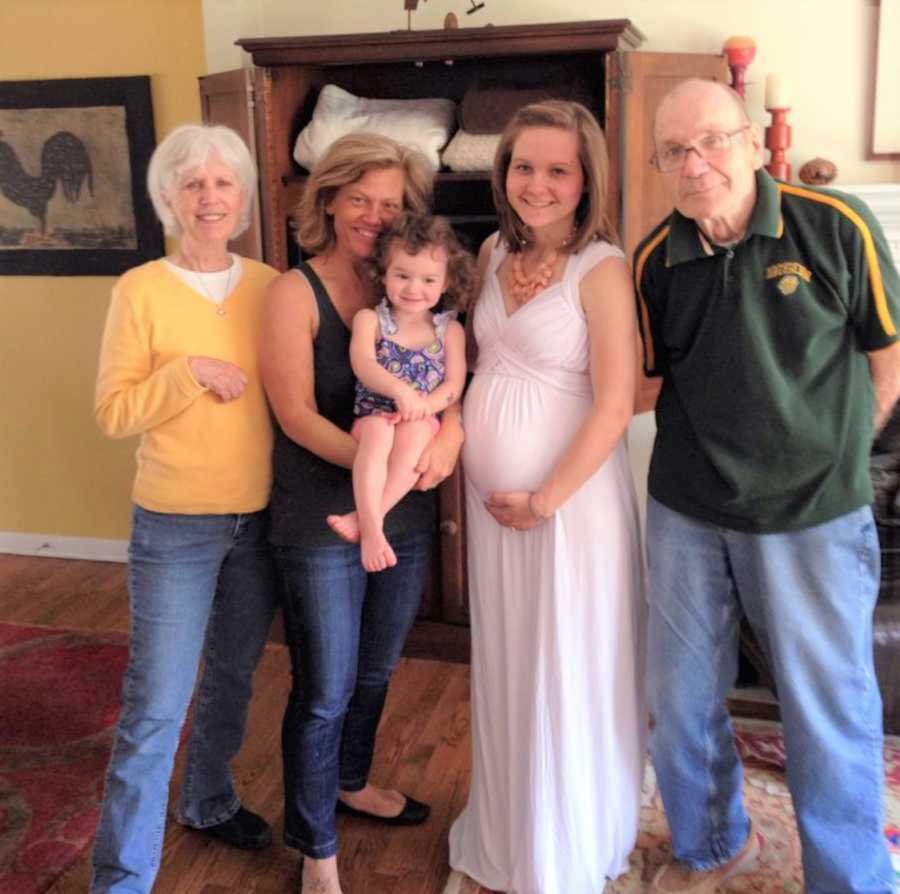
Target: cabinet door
454, 606
227, 98
644, 78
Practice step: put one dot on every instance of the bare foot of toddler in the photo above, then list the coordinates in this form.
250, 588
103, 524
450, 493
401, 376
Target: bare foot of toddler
376, 552
345, 526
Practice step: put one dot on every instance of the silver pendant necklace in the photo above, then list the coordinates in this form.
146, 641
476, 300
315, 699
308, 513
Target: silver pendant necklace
220, 305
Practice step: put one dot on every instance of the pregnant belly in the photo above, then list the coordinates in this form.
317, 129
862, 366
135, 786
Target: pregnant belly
516, 431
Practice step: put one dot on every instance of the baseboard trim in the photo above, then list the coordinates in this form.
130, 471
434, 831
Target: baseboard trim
59, 547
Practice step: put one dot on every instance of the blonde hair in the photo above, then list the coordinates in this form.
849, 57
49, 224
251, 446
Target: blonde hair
346, 161
592, 219
190, 146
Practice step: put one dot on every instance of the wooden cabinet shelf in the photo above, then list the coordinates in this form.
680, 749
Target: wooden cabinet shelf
272, 104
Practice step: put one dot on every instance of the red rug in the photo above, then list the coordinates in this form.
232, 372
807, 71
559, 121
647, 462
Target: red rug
59, 701
768, 801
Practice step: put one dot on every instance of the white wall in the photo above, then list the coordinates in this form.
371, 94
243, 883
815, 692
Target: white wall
825, 51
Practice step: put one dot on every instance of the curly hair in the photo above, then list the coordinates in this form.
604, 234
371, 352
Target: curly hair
414, 232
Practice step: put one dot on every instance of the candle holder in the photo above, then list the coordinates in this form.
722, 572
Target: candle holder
778, 139
740, 52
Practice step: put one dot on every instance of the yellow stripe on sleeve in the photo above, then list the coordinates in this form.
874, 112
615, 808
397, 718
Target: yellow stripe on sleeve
649, 353
881, 305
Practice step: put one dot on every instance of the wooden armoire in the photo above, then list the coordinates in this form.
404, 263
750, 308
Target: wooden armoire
270, 103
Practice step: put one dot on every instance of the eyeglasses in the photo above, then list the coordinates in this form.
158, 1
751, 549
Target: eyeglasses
713, 144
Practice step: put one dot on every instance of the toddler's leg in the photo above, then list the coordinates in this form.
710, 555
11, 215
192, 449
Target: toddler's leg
376, 438
410, 439
346, 526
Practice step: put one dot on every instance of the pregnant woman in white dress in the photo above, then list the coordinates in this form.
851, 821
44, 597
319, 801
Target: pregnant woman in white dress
558, 721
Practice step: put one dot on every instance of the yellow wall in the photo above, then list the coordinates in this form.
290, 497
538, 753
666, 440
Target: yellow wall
824, 50
58, 475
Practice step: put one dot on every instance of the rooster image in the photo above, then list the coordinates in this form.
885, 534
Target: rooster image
64, 158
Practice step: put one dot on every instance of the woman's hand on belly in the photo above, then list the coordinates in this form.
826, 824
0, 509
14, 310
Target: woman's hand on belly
512, 509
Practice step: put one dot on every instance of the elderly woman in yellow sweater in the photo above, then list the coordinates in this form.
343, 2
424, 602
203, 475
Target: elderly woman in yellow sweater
178, 366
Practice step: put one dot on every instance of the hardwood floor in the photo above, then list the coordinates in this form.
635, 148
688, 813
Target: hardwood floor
423, 748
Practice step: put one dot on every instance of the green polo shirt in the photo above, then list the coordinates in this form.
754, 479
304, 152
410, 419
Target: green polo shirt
764, 421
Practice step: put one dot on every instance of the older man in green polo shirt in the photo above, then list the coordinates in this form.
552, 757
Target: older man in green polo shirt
770, 313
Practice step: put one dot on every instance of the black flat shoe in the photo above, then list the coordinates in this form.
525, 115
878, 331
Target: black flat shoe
413, 813
244, 830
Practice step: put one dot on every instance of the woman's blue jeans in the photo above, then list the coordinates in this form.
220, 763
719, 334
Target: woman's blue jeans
192, 579
809, 597
345, 629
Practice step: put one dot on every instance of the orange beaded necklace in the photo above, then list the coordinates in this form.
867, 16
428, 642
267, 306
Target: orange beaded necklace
524, 286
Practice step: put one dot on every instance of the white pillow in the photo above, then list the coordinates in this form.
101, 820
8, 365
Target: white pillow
423, 123
471, 151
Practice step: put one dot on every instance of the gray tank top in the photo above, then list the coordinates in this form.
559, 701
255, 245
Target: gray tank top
305, 487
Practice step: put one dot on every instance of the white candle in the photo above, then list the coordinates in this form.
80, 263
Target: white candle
776, 93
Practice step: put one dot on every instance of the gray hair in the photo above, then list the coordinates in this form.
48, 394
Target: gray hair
189, 146
689, 84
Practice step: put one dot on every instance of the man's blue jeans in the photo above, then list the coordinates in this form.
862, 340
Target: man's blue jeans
191, 578
345, 629
809, 597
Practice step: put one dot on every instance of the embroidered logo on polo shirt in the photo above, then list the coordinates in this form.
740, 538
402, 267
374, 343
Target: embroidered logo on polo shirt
787, 285
788, 274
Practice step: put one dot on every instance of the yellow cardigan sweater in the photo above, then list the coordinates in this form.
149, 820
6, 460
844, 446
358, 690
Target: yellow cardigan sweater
197, 455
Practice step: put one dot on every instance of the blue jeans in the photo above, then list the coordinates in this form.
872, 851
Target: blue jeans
197, 584
809, 597
345, 629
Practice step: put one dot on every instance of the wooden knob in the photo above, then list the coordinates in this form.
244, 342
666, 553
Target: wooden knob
449, 527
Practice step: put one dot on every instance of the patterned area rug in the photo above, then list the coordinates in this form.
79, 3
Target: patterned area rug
768, 801
58, 706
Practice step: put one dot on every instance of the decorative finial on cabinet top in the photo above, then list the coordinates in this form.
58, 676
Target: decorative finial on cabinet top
410, 6
451, 20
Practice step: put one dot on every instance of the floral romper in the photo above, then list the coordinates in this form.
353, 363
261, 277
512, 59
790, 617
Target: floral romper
423, 368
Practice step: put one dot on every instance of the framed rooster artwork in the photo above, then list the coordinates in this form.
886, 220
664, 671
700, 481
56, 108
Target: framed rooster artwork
73, 162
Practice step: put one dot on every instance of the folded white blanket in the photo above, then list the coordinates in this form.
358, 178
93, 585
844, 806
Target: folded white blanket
423, 123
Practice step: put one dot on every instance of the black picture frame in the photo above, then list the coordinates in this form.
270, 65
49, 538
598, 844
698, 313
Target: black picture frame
137, 237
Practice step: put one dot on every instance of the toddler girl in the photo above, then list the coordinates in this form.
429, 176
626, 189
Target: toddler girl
410, 364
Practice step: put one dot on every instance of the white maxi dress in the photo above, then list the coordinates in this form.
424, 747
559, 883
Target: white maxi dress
558, 721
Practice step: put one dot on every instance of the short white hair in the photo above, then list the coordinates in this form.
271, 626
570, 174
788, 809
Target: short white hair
190, 146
